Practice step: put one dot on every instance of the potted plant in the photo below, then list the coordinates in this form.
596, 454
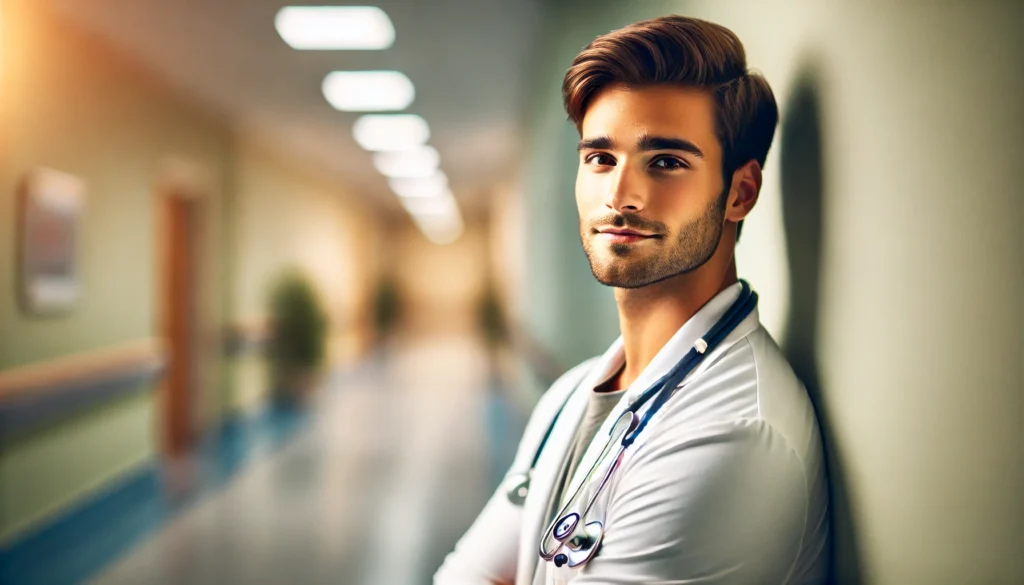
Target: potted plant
298, 330
387, 310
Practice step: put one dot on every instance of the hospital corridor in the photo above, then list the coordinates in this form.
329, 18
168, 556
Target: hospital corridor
282, 284
353, 496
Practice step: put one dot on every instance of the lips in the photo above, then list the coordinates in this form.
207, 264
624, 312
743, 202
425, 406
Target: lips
619, 232
623, 236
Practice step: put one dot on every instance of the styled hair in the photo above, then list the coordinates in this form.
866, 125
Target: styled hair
689, 52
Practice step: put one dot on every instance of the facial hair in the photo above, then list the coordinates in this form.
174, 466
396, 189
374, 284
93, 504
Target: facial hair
629, 266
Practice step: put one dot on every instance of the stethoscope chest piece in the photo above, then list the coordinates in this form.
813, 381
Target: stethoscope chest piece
575, 534
573, 537
581, 548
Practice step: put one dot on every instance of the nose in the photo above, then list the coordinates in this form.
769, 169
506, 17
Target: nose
624, 194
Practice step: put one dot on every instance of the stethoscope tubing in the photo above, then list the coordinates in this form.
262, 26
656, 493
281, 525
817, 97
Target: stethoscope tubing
664, 387
566, 522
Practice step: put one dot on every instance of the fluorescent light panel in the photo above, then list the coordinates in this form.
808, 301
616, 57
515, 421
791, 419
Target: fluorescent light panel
432, 186
335, 27
433, 206
413, 163
379, 132
440, 229
368, 91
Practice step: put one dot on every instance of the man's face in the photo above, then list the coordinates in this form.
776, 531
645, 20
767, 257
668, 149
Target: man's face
649, 187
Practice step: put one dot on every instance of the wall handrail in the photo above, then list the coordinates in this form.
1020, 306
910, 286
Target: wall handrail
37, 392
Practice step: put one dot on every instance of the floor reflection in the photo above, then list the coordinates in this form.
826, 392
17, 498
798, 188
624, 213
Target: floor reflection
394, 464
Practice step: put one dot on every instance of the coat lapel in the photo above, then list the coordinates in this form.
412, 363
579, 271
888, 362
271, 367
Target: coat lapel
549, 466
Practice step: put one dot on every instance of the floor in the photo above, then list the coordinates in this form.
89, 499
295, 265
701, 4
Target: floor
373, 487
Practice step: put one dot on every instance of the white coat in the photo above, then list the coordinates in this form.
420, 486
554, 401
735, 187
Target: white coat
725, 485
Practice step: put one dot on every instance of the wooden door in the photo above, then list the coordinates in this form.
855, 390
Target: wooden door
179, 322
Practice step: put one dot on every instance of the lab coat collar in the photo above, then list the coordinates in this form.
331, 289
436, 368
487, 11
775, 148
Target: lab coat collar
681, 342
535, 510
666, 359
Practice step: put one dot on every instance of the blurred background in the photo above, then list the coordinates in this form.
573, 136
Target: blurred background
268, 318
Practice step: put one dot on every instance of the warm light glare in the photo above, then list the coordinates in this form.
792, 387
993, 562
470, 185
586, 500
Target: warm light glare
432, 186
414, 163
390, 131
445, 236
437, 217
443, 204
368, 91
335, 27
440, 229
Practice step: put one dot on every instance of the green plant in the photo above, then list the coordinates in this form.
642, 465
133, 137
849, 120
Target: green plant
387, 310
491, 317
298, 329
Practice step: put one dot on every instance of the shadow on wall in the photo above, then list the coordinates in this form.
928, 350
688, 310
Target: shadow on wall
802, 186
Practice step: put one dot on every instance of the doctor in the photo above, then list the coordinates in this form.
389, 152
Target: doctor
724, 482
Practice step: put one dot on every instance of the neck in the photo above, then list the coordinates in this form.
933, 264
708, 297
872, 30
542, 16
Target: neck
650, 316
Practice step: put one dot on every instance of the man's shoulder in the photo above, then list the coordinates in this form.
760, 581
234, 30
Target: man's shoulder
752, 381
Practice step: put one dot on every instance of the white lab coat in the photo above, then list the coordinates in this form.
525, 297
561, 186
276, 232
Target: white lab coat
725, 485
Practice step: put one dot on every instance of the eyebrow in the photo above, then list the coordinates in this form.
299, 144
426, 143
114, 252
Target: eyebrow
645, 143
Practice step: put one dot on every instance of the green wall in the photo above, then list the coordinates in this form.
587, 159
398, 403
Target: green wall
54, 465
71, 104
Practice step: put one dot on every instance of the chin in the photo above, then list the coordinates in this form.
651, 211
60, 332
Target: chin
619, 274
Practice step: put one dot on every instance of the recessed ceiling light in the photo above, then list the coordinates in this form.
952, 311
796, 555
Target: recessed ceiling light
368, 91
443, 229
413, 163
443, 204
334, 27
390, 131
433, 186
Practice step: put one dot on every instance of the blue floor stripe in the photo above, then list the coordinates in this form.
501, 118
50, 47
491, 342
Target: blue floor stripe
77, 544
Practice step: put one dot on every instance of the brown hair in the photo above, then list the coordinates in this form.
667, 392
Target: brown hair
677, 50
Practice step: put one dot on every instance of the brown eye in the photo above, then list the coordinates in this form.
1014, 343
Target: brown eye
600, 158
668, 164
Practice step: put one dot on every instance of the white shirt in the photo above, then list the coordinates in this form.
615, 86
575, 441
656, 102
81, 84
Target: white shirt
725, 485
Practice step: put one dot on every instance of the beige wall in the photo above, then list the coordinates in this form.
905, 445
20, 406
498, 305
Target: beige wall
70, 103
506, 225
885, 247
286, 216
440, 285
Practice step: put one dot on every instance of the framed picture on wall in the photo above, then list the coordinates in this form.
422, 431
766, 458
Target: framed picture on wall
50, 207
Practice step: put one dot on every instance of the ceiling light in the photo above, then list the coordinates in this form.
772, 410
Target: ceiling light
368, 91
334, 27
430, 206
414, 163
390, 131
432, 186
440, 229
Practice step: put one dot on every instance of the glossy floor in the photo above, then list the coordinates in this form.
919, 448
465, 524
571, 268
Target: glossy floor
385, 475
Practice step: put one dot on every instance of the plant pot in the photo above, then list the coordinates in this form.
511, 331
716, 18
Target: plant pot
296, 387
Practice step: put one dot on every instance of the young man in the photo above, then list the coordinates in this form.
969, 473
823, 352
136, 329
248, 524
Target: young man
726, 483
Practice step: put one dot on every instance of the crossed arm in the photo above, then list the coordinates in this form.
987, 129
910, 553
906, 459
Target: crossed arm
725, 504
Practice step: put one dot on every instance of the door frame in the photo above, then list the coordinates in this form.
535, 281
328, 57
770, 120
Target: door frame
180, 401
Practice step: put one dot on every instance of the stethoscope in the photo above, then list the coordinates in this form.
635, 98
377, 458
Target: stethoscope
572, 538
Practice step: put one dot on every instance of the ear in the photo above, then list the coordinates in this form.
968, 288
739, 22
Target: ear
746, 185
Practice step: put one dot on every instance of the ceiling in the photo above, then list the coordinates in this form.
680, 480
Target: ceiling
470, 61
